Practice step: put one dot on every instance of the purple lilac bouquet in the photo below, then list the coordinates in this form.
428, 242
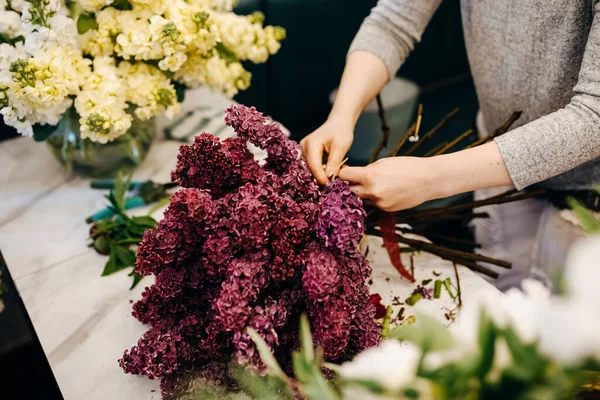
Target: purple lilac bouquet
246, 244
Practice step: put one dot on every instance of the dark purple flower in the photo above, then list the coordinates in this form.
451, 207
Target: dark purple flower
244, 246
341, 221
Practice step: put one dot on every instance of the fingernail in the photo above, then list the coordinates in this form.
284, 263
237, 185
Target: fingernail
330, 174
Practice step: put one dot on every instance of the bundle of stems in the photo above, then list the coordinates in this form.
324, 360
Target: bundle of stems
425, 222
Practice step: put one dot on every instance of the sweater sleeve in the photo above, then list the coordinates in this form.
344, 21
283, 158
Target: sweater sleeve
565, 139
393, 28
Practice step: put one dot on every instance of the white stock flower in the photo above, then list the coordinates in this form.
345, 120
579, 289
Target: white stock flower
94, 5
149, 89
248, 40
102, 103
10, 23
17, 5
41, 87
11, 118
155, 6
391, 364
215, 73
99, 41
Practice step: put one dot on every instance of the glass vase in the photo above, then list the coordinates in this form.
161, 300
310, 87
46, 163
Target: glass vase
96, 160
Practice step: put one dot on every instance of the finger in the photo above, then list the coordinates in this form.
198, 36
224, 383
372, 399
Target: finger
360, 191
353, 174
314, 159
334, 159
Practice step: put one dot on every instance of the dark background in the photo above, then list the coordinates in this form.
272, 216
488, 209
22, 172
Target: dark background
293, 87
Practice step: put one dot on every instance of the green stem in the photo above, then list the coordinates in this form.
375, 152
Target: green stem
447, 284
414, 299
385, 330
437, 289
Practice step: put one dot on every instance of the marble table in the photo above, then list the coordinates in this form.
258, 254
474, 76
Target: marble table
84, 320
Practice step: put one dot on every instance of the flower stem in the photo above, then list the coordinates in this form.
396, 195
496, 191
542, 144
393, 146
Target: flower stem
385, 330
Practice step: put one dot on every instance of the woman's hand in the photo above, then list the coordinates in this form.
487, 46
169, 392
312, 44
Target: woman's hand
333, 138
395, 183
398, 183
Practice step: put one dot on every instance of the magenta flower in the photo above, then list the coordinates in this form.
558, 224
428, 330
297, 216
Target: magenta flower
248, 245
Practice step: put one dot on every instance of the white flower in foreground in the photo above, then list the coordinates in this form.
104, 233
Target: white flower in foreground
571, 333
515, 309
571, 325
391, 364
582, 276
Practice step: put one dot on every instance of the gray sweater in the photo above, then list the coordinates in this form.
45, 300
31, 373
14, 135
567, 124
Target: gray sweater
538, 56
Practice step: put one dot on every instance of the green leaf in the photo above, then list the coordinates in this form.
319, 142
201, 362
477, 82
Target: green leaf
85, 22
125, 256
266, 355
17, 39
226, 54
118, 259
136, 279
306, 342
586, 217
117, 195
43, 132
528, 363
372, 386
307, 367
487, 344
146, 222
261, 387
314, 385
111, 265
122, 5
427, 333
180, 89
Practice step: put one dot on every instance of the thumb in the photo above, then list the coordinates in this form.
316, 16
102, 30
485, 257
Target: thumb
334, 159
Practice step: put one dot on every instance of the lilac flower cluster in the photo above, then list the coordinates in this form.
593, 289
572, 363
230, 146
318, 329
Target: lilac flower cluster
249, 245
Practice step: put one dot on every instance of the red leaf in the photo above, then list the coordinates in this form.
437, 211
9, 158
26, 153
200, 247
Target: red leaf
376, 300
387, 223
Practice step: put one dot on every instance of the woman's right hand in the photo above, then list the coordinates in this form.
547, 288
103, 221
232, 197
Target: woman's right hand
333, 138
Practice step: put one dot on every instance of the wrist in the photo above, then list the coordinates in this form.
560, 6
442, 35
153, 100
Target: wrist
341, 116
442, 183
467, 170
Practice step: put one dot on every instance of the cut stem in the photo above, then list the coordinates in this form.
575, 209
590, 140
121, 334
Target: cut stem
432, 132
454, 142
435, 150
498, 132
385, 129
403, 140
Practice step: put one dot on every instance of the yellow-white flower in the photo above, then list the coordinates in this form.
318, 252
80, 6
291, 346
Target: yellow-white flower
99, 41
215, 73
246, 38
94, 5
155, 6
40, 87
149, 89
10, 23
102, 105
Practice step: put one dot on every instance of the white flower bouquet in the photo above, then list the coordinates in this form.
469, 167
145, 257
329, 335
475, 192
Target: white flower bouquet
110, 61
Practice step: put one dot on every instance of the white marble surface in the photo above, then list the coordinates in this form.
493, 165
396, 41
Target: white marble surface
84, 320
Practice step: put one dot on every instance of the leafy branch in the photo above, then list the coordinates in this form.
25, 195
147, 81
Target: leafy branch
118, 234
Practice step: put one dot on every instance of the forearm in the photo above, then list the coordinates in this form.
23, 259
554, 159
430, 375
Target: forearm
364, 76
464, 171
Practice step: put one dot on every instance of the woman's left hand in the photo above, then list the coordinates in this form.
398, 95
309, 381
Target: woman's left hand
398, 183
395, 183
